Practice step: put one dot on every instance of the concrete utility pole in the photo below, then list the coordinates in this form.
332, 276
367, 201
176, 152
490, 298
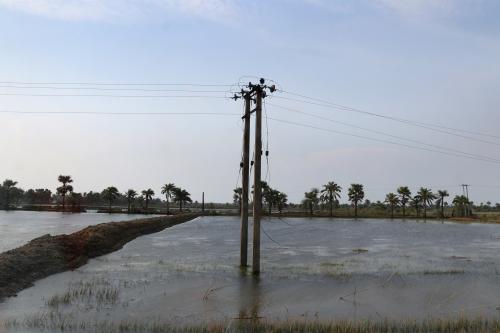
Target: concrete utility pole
257, 91
257, 188
465, 189
245, 184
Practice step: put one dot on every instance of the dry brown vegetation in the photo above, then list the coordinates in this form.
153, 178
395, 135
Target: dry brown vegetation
57, 322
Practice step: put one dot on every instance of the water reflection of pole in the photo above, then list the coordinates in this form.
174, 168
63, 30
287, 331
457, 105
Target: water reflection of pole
249, 299
255, 297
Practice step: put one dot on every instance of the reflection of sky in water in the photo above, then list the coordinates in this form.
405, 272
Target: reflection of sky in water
399, 269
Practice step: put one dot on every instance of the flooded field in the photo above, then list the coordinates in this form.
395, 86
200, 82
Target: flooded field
312, 268
19, 227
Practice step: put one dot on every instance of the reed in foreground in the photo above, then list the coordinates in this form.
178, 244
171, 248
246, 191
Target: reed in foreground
57, 322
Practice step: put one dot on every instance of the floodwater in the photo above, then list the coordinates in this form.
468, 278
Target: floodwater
311, 268
19, 227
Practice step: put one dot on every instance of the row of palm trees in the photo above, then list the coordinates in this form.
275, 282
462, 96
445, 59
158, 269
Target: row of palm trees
270, 197
330, 195
176, 194
171, 192
111, 193
424, 199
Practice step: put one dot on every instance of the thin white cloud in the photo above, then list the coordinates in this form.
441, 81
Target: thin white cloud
96, 10
421, 7
408, 8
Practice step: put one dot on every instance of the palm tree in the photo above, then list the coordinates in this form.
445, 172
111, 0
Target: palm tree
181, 196
8, 185
404, 196
356, 194
311, 199
416, 202
461, 202
131, 194
281, 201
168, 191
330, 194
148, 195
442, 194
392, 200
64, 188
427, 197
110, 194
237, 194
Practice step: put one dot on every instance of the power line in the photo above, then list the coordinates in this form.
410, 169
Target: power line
382, 133
431, 127
119, 113
116, 84
113, 96
412, 121
380, 140
112, 89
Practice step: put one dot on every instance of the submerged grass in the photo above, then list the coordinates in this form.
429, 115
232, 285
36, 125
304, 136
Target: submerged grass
96, 292
57, 322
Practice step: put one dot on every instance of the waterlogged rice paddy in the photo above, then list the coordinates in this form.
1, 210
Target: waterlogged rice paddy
313, 270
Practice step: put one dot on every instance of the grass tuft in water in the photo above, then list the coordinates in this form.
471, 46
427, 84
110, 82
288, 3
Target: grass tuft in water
94, 292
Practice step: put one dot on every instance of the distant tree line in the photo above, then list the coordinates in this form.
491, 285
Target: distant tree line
65, 198
401, 203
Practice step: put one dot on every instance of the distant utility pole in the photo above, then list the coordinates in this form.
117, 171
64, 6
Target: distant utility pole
252, 92
465, 189
203, 203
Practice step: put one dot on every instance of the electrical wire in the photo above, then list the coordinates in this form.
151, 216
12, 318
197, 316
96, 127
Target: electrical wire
267, 234
379, 140
120, 113
113, 96
400, 120
112, 89
115, 84
380, 132
393, 118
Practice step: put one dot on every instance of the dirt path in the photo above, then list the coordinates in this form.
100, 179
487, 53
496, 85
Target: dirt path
47, 255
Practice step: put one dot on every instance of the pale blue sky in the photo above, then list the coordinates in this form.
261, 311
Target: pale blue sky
425, 60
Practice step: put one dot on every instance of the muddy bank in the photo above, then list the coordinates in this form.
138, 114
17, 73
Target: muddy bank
48, 255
